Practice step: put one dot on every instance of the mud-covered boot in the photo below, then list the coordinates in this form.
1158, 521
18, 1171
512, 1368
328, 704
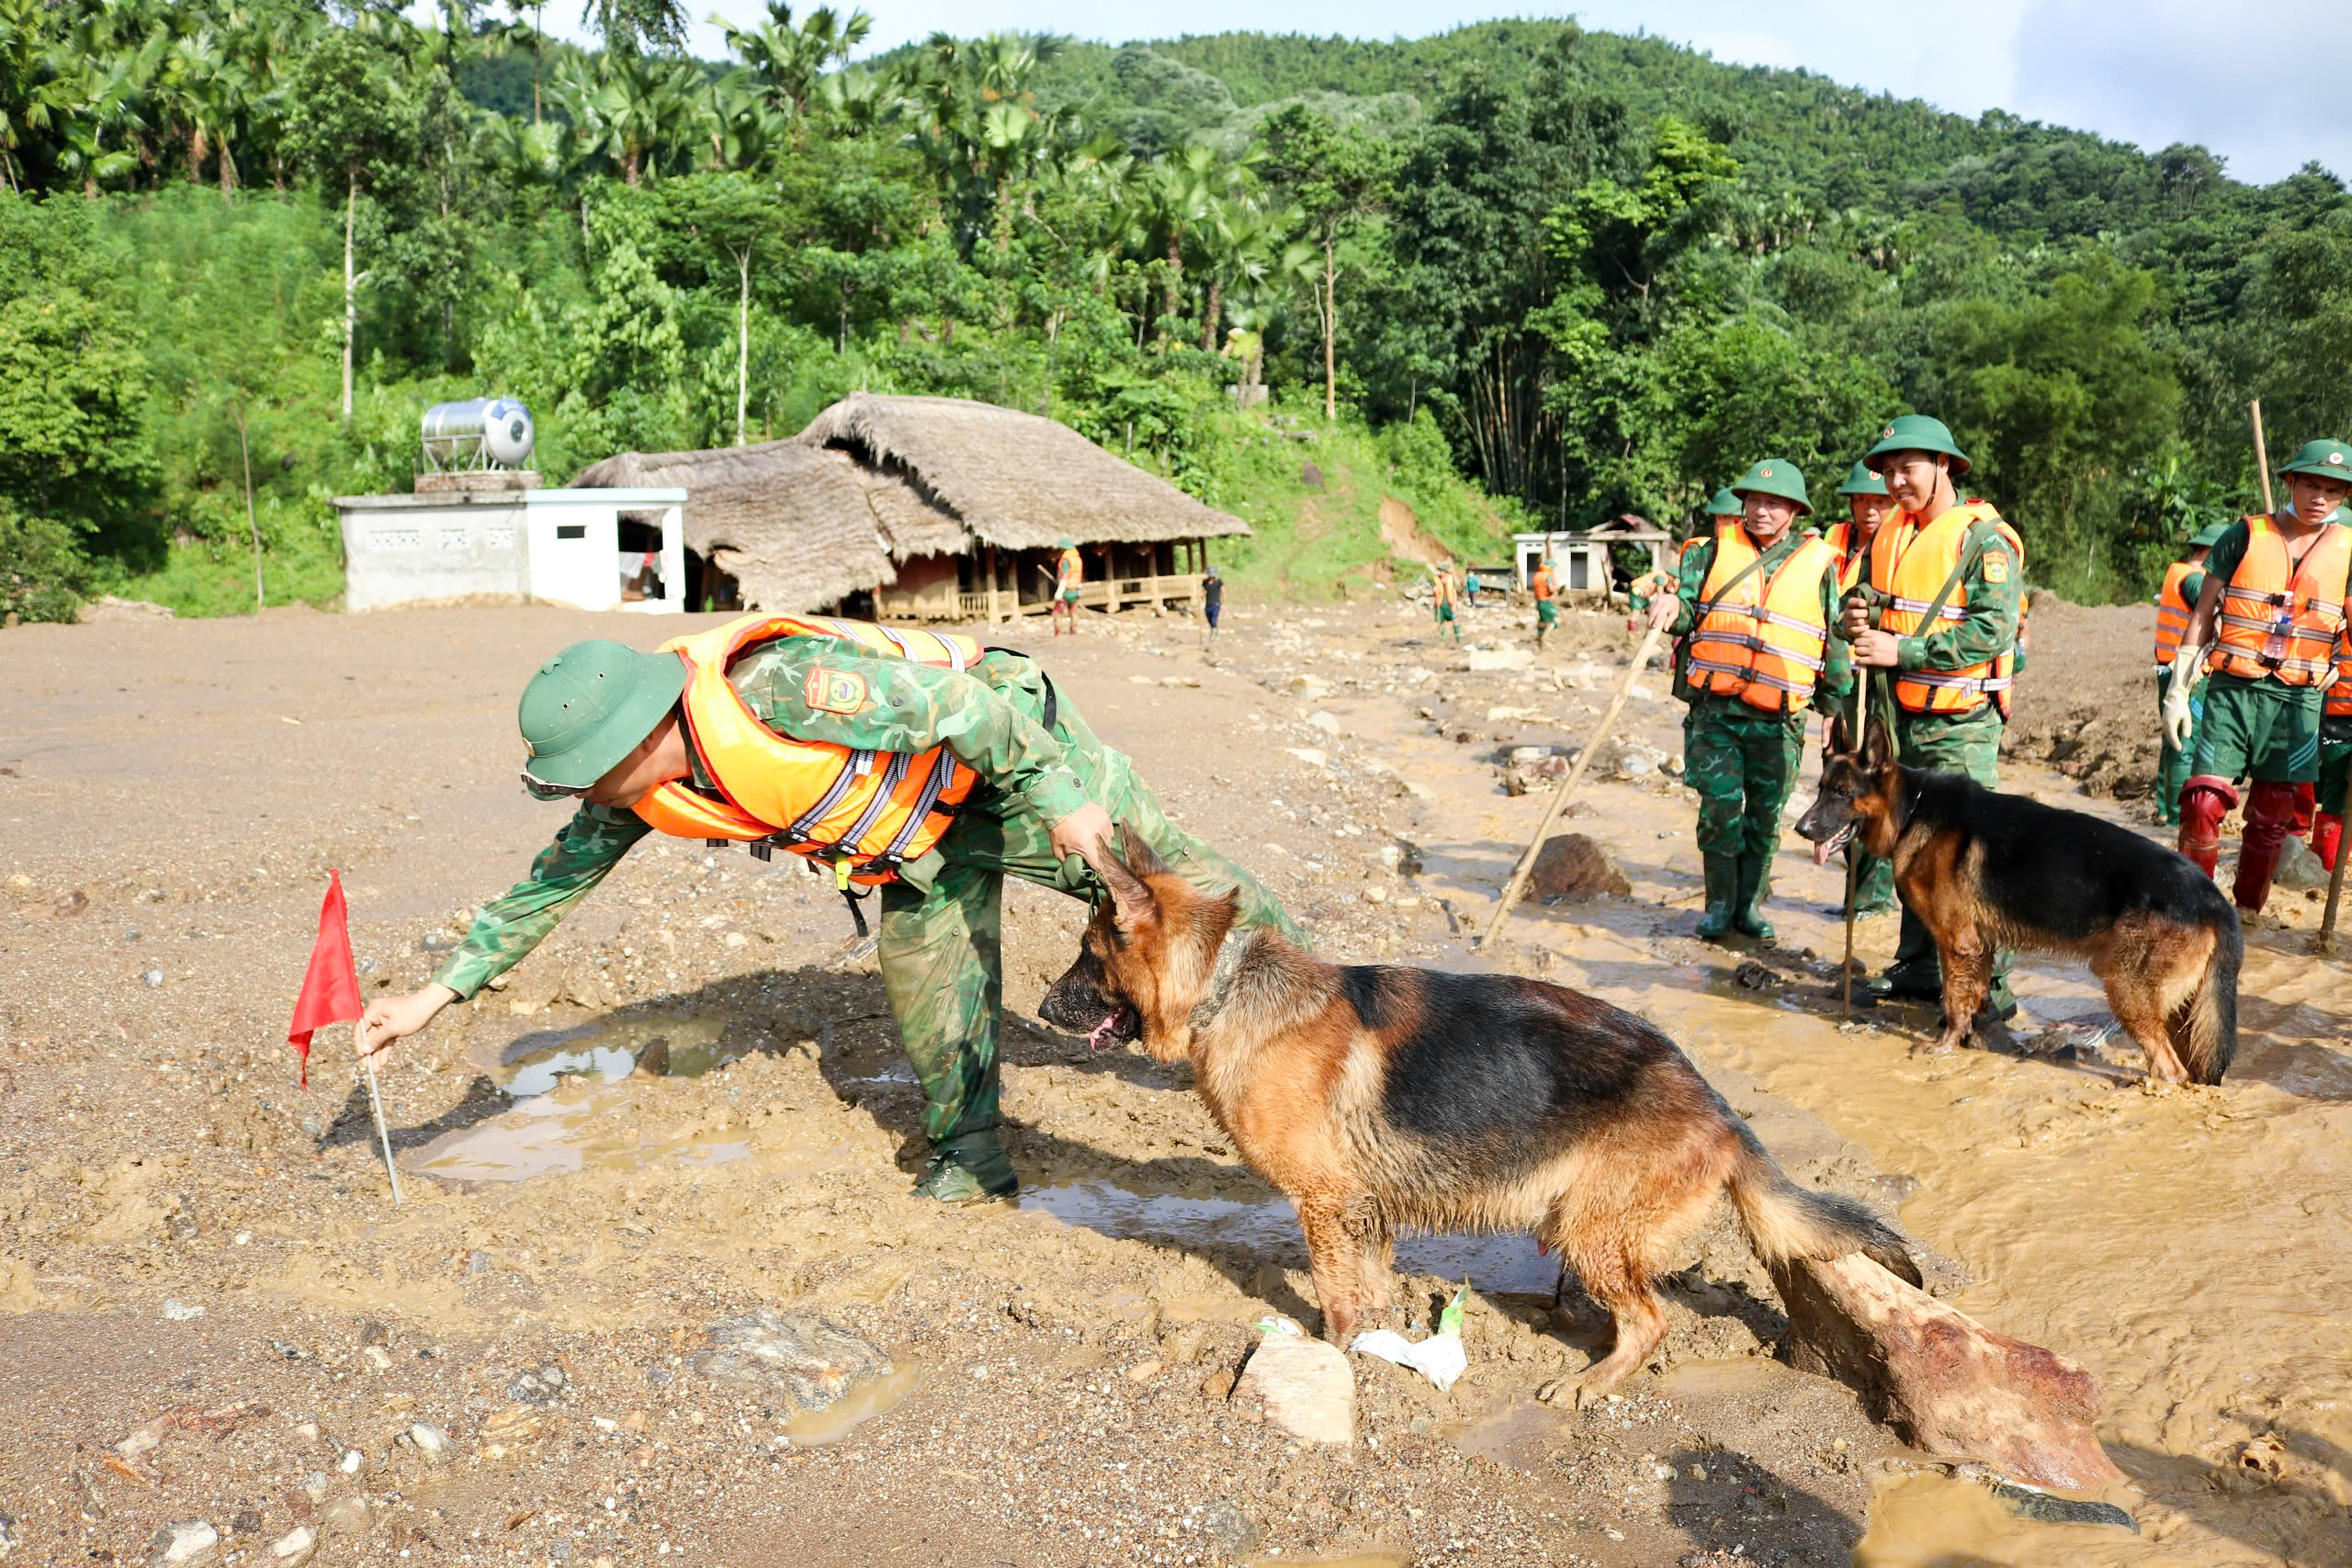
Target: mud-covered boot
1723, 892
969, 1169
1755, 886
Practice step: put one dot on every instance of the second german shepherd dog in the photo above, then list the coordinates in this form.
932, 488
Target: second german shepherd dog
1984, 870
1381, 1098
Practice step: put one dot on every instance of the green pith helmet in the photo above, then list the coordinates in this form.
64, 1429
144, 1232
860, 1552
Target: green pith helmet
1774, 477
2321, 459
1916, 433
589, 705
2205, 539
1725, 504
1862, 480
1065, 543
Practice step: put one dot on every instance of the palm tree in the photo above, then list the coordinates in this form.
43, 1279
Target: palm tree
789, 61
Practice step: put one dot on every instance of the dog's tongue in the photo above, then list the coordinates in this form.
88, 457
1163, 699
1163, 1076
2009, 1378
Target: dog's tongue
1101, 1036
1821, 851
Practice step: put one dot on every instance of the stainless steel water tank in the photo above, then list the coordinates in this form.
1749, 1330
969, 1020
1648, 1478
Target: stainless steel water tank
480, 433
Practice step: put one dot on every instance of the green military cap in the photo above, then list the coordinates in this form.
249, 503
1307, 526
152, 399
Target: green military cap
2321, 459
1065, 543
1774, 477
589, 705
1725, 504
2205, 539
1862, 480
1916, 433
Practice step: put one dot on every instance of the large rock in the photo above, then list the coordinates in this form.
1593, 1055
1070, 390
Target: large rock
1572, 867
1483, 659
1306, 1385
1532, 769
798, 1358
1944, 1381
2299, 868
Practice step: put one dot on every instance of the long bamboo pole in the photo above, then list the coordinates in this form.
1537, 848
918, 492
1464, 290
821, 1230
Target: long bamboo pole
1567, 786
376, 1101
1853, 862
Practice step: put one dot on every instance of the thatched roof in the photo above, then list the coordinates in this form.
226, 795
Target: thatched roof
1017, 480
796, 527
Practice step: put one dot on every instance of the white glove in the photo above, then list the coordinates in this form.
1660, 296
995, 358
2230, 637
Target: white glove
2177, 718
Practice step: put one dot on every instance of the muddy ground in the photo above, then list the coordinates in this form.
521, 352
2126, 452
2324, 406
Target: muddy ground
689, 1105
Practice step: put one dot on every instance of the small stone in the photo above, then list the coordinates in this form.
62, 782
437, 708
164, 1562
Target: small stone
1233, 1530
2032, 1502
798, 1359
542, 1384
346, 1515
1375, 895
1324, 720
246, 1522
1573, 867
182, 1544
153, 978
314, 1486
1144, 1372
295, 1548
374, 1333
179, 1311
430, 1441
1489, 658
1306, 1386
352, 1462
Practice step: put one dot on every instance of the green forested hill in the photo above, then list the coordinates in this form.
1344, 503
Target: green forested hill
1585, 273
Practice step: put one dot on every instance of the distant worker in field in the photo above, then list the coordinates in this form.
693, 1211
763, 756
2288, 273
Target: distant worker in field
1757, 600
2265, 631
1070, 577
1470, 586
2176, 603
1444, 604
1867, 506
1935, 617
912, 760
1547, 607
1212, 603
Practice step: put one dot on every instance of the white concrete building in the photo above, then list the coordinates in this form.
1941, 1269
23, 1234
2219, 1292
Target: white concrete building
597, 549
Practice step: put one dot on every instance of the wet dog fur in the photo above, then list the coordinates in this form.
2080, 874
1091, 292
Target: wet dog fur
1984, 869
1382, 1098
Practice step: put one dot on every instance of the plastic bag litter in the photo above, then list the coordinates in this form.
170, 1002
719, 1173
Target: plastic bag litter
1440, 1358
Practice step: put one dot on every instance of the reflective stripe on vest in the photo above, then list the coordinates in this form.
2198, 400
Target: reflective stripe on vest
2173, 610
1910, 568
2339, 696
1761, 640
814, 797
2279, 623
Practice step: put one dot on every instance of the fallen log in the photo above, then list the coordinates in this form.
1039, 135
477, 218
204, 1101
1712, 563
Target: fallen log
1944, 1381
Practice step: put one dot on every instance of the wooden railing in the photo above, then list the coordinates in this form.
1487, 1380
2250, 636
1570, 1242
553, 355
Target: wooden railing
1109, 596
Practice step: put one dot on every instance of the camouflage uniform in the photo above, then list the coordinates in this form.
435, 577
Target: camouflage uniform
1970, 743
939, 940
1742, 761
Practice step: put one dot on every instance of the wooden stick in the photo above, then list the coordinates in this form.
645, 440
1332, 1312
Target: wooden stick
1853, 862
376, 1099
1567, 786
2262, 460
2324, 943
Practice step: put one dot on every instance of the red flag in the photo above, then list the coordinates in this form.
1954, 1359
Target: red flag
330, 991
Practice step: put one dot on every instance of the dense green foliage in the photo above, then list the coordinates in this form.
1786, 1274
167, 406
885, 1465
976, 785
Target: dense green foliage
241, 247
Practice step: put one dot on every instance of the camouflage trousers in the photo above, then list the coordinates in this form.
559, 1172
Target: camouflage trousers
1743, 762
1969, 745
941, 945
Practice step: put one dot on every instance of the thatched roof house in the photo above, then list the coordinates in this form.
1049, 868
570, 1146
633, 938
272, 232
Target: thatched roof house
1019, 482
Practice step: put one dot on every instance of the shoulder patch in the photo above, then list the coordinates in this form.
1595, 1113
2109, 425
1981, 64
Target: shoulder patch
1996, 566
834, 691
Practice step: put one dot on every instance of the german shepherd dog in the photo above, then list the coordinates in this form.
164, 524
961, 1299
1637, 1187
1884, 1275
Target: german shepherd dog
1985, 871
1383, 1098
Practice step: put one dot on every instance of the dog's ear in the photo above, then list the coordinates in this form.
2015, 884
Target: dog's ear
1132, 905
1841, 740
1878, 747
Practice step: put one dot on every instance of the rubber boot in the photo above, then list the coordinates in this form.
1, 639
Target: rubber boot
2327, 837
968, 1170
2204, 801
1723, 891
1755, 886
2270, 810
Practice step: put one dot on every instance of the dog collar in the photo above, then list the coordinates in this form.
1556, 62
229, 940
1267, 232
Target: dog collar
1231, 952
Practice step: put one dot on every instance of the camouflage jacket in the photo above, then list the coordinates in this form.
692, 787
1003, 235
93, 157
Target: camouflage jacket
905, 707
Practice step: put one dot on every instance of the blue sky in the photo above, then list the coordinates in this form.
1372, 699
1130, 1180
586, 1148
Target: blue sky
2263, 82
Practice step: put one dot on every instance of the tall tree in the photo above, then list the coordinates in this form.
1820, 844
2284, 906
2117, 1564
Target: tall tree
348, 115
1338, 179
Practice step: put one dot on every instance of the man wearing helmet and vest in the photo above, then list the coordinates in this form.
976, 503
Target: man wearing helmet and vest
2175, 601
1757, 601
1867, 506
2265, 631
1547, 608
913, 761
1934, 624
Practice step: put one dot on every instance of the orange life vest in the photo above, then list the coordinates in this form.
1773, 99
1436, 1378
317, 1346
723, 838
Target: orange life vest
1761, 638
1910, 562
1540, 583
1069, 571
866, 813
1850, 560
2173, 610
2339, 696
2280, 623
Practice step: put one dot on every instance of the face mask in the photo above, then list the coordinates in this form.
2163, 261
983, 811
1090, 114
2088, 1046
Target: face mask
2334, 514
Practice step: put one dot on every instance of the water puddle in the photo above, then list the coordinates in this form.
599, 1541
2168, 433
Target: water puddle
569, 1112
1940, 1521
1496, 1265
879, 1397
1359, 1560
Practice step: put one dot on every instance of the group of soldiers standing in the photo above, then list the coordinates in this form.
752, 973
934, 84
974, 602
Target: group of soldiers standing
1919, 591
